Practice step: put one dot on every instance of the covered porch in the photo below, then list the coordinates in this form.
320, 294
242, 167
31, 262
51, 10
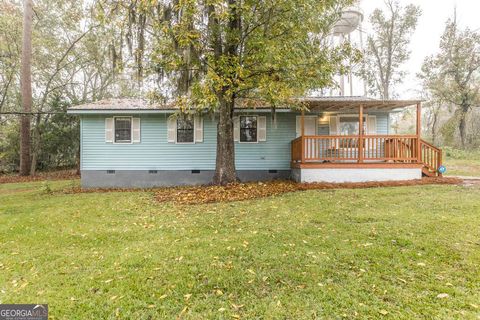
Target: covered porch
355, 146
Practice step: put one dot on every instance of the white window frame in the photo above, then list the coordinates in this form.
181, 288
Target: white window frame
114, 129
240, 129
340, 116
194, 133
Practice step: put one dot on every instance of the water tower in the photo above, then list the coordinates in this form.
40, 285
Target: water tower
344, 29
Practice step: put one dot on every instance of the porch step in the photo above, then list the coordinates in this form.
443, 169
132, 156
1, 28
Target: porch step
427, 172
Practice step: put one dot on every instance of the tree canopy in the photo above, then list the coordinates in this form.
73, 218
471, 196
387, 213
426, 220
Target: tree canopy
453, 75
387, 47
208, 54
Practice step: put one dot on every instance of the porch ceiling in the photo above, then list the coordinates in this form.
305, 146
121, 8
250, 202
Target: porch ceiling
345, 104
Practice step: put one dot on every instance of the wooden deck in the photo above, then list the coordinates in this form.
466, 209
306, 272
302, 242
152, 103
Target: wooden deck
367, 151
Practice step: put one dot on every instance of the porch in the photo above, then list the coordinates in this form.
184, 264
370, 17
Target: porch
385, 156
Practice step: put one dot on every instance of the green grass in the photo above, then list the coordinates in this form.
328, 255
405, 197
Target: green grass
462, 163
355, 254
463, 167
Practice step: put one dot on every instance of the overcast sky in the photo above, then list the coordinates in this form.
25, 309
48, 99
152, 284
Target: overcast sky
431, 25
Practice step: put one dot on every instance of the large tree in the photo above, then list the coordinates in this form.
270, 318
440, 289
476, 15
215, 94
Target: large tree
70, 64
387, 47
213, 53
26, 88
453, 75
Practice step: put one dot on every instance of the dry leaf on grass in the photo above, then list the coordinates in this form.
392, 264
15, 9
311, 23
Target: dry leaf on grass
255, 190
54, 175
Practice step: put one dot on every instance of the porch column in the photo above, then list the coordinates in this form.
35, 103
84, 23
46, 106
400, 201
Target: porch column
302, 124
360, 135
419, 132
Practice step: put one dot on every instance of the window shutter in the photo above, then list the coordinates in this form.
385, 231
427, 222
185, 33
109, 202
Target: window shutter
109, 127
333, 125
298, 127
236, 129
136, 134
171, 129
372, 125
262, 128
198, 128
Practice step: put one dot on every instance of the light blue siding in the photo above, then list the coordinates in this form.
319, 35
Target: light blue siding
155, 153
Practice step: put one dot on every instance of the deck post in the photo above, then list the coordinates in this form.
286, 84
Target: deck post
302, 124
360, 134
419, 132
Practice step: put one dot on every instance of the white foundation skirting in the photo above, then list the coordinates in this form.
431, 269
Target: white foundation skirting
355, 175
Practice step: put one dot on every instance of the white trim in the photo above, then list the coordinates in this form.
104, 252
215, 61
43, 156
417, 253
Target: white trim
131, 130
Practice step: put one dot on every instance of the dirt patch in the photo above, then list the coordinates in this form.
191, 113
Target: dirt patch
471, 182
54, 175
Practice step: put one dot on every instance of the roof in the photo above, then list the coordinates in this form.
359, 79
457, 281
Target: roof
349, 103
324, 104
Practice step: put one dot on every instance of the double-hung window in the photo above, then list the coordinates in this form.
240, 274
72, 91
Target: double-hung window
185, 130
248, 129
123, 130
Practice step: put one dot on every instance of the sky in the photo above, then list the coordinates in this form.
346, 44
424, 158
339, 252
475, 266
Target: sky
431, 25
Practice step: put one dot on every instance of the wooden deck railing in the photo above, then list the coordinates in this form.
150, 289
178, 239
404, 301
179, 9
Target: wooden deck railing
348, 149
431, 157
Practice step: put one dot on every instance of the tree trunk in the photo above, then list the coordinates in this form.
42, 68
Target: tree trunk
434, 129
36, 145
462, 126
26, 88
225, 164
78, 169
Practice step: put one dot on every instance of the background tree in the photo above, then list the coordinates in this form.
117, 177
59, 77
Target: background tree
26, 87
70, 64
387, 48
452, 76
212, 54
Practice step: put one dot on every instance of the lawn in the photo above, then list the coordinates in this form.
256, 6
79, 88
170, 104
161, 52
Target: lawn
392, 253
462, 163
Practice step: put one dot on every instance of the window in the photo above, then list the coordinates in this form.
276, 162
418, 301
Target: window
248, 129
123, 130
185, 131
349, 125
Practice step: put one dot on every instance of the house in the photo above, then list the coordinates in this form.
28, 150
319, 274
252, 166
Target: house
131, 143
